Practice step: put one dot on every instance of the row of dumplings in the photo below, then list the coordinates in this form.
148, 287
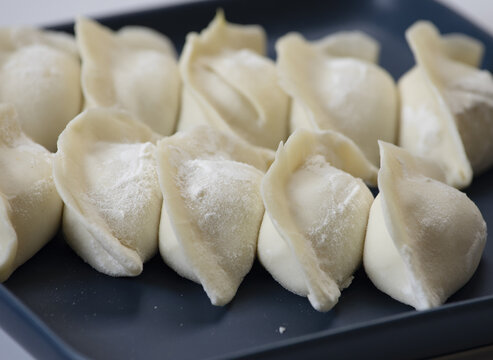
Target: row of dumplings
308, 215
305, 211
441, 109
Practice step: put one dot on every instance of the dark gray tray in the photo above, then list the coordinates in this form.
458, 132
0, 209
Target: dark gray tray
58, 307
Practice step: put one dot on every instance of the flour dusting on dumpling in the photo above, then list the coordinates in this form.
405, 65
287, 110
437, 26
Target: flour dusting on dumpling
30, 207
212, 208
40, 76
425, 238
105, 172
311, 238
447, 103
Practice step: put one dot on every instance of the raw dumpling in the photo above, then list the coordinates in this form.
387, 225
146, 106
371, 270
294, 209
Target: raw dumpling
105, 172
133, 69
40, 76
334, 88
212, 207
230, 85
425, 238
447, 104
311, 238
30, 208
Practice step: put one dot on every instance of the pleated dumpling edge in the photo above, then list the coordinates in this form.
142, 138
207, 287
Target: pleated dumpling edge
229, 84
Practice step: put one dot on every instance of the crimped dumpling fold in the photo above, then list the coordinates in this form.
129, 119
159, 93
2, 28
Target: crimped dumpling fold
105, 172
212, 207
447, 104
30, 208
229, 84
350, 44
311, 238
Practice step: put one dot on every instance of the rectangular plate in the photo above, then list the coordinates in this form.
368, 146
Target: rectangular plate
58, 307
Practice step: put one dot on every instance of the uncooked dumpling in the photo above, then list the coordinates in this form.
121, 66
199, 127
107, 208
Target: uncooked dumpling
312, 234
230, 85
105, 172
212, 207
133, 69
30, 208
447, 104
425, 238
334, 88
40, 76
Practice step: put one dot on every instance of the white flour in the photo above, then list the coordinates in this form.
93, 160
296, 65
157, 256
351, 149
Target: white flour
327, 205
123, 187
223, 197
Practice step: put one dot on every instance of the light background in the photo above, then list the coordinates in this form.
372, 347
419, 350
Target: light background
48, 12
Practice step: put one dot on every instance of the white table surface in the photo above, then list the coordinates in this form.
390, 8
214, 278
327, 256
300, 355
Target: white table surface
46, 12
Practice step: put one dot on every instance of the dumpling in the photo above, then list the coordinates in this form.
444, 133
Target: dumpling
133, 69
212, 207
40, 76
425, 238
334, 88
230, 85
105, 172
312, 233
30, 208
447, 104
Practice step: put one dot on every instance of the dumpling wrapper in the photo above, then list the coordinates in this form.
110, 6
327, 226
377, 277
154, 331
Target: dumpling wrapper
105, 172
40, 76
30, 208
134, 69
425, 238
349, 44
311, 238
230, 85
447, 104
212, 207
332, 91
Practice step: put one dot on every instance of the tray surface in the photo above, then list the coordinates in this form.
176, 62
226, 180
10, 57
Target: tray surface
59, 307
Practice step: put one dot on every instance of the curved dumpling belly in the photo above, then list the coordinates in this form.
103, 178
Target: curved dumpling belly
30, 208
105, 172
40, 76
424, 238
